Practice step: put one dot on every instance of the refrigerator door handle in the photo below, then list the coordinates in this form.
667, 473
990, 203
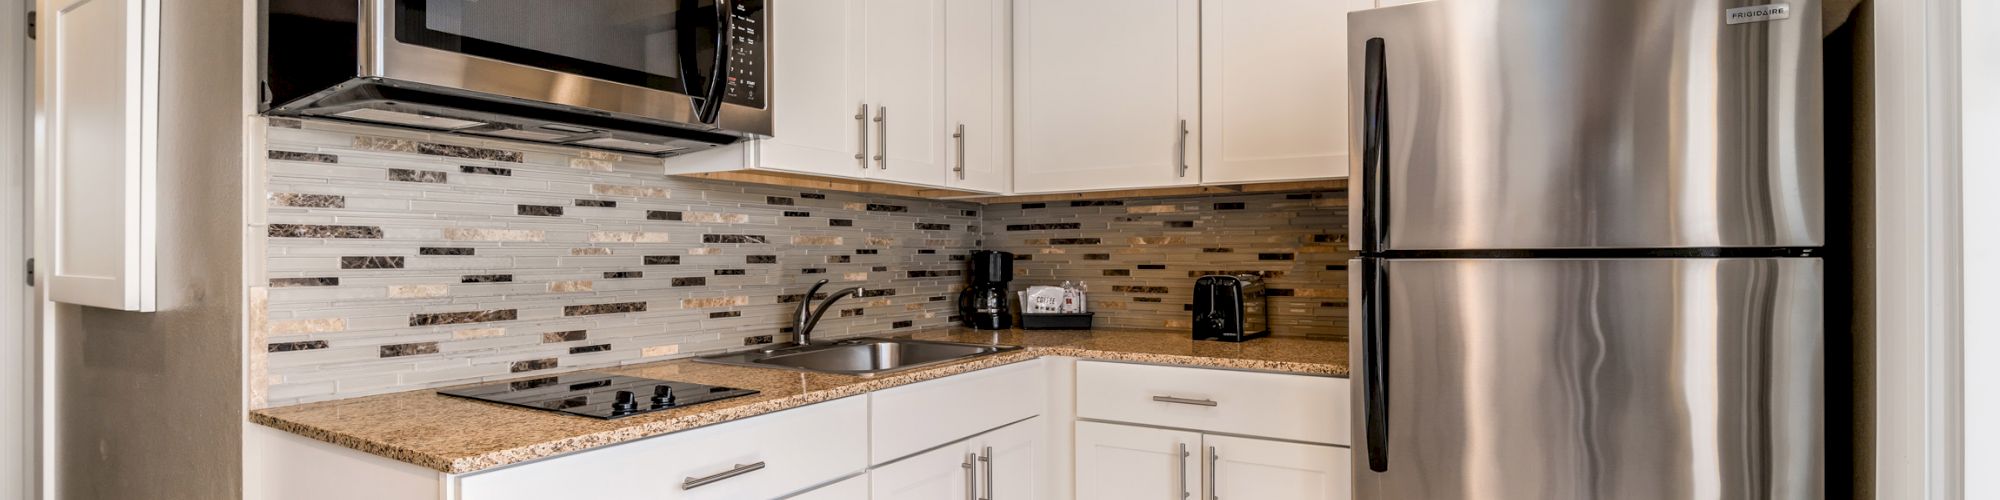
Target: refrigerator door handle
1375, 150
1374, 361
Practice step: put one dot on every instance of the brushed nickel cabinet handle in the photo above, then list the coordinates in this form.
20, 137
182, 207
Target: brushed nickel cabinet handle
960, 137
1184, 401
971, 477
1180, 480
740, 469
986, 478
1180, 148
882, 137
861, 149
1212, 457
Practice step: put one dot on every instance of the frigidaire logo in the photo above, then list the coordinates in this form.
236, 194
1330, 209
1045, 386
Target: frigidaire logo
1757, 13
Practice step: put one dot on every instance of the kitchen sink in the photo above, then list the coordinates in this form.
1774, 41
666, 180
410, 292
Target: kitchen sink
863, 356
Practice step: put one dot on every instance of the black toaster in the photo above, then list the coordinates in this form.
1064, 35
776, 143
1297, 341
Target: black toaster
1230, 308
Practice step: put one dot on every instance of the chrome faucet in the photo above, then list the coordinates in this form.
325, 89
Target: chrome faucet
806, 320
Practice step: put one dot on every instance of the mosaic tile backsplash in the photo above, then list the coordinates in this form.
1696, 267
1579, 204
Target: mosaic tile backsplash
1140, 257
399, 260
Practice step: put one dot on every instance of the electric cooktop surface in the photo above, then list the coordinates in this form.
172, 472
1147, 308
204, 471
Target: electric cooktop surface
598, 395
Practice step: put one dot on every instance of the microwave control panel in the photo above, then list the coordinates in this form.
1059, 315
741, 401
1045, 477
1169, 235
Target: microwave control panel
747, 61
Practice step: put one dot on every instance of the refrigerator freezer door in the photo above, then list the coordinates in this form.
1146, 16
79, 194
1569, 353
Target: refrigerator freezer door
1637, 379
1537, 124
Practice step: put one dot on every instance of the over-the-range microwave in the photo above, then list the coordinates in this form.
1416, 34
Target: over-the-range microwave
657, 77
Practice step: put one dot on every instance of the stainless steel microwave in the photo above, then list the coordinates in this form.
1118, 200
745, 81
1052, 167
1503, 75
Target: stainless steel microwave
657, 77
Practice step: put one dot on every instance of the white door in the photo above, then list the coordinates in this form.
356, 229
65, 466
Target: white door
1118, 462
101, 91
948, 472
1274, 89
1243, 468
1011, 465
977, 44
1106, 94
853, 488
904, 76
816, 71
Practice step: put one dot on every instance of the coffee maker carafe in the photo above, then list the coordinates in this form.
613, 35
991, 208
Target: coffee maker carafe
983, 304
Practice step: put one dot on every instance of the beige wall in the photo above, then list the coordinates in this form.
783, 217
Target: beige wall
150, 405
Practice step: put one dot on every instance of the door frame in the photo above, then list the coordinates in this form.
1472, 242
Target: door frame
19, 334
1936, 247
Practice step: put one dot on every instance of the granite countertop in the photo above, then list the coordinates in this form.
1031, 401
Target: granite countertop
458, 436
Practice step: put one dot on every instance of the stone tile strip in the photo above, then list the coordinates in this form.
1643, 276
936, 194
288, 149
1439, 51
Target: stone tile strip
423, 176
304, 157
294, 282
303, 200
388, 262
595, 309
320, 231
472, 234
454, 318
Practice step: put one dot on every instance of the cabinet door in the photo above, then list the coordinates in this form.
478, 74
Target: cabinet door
1102, 90
1274, 89
102, 89
816, 72
1117, 462
905, 83
976, 94
948, 472
1240, 468
1011, 465
760, 457
853, 488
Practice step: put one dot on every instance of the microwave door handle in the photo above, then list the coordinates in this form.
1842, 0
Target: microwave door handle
725, 42
1375, 150
684, 39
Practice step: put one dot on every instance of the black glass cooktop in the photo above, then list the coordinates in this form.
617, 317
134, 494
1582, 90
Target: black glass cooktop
599, 395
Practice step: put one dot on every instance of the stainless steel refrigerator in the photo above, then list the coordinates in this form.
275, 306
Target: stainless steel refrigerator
1589, 236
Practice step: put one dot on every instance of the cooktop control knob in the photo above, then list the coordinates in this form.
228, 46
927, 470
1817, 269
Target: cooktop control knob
663, 395
627, 402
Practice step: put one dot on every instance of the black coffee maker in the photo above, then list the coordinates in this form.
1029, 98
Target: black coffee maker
983, 304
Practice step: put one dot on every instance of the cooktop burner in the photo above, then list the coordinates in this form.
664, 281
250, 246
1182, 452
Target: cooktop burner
599, 395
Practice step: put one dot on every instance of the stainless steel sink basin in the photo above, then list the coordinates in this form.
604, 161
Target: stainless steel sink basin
864, 356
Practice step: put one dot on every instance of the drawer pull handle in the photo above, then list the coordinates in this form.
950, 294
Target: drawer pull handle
740, 469
1185, 401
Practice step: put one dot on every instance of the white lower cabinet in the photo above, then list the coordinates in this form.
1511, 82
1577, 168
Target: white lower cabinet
1243, 468
1002, 464
853, 488
1116, 462
762, 457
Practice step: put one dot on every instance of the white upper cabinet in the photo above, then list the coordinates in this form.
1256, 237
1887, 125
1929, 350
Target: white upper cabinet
1055, 96
817, 78
1274, 89
861, 91
1106, 94
977, 94
905, 89
101, 83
